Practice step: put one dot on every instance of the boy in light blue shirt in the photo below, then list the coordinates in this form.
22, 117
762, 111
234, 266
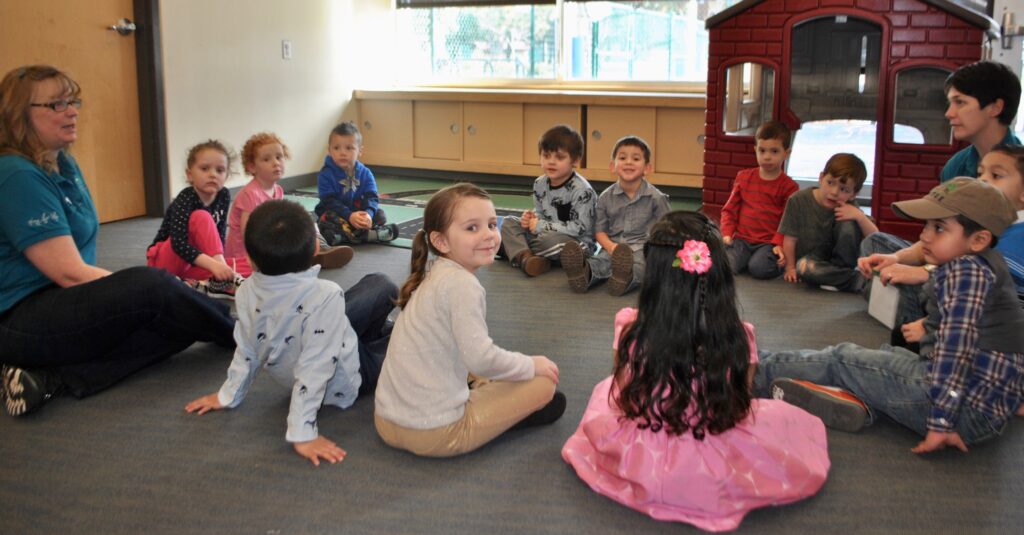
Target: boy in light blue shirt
295, 326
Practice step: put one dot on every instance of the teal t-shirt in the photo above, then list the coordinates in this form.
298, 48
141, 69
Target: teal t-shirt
965, 161
36, 205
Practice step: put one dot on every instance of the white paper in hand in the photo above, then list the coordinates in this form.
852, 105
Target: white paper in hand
883, 302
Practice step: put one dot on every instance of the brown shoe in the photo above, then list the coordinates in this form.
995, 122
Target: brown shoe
574, 262
534, 265
531, 264
622, 270
334, 257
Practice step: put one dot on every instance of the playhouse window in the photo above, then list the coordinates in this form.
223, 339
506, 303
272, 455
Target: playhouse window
749, 98
816, 141
920, 104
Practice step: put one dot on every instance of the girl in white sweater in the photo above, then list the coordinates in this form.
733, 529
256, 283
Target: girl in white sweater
446, 388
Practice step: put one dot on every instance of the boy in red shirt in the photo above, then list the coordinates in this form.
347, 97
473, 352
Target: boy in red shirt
750, 218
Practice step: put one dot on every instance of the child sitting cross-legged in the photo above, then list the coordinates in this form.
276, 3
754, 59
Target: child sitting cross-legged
447, 388
563, 209
302, 330
625, 211
966, 391
822, 228
263, 157
750, 218
349, 210
673, 432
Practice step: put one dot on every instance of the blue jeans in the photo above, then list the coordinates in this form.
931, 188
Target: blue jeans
890, 380
367, 305
911, 305
95, 334
757, 258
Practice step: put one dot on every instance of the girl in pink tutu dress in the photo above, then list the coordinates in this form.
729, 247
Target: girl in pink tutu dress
673, 432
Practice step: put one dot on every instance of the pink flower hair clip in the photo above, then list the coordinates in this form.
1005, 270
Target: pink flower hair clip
694, 257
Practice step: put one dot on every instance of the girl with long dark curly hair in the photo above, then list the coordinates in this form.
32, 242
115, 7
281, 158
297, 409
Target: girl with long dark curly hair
673, 432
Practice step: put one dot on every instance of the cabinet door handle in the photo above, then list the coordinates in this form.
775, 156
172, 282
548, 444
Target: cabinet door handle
596, 134
367, 125
471, 129
454, 128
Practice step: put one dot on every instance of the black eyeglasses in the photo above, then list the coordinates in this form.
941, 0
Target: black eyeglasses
59, 105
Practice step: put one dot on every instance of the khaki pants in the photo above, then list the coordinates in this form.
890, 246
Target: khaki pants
493, 407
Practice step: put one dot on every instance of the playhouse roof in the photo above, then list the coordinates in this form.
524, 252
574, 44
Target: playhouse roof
973, 17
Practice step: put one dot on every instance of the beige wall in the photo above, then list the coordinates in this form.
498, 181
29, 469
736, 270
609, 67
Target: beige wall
224, 76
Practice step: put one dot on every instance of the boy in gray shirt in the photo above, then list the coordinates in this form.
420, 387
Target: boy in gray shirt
563, 206
625, 212
822, 228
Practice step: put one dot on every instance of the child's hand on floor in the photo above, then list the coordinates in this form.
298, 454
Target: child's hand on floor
777, 251
937, 440
320, 448
913, 331
205, 404
790, 275
360, 220
543, 367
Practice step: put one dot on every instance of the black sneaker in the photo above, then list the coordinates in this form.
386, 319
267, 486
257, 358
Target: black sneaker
548, 414
224, 289
26, 390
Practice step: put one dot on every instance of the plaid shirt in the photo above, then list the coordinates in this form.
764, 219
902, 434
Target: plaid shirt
991, 382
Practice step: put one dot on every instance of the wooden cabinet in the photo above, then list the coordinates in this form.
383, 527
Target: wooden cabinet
679, 146
605, 126
538, 118
494, 132
437, 130
386, 126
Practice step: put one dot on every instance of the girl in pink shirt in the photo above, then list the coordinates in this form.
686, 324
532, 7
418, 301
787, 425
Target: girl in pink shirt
263, 157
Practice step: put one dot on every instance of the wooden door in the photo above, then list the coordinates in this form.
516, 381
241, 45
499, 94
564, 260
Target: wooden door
678, 146
494, 132
538, 119
73, 36
386, 126
437, 130
606, 125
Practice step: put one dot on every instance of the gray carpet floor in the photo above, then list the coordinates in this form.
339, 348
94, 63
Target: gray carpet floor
130, 460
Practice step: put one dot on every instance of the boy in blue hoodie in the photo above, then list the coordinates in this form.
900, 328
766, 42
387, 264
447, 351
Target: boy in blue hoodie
349, 209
